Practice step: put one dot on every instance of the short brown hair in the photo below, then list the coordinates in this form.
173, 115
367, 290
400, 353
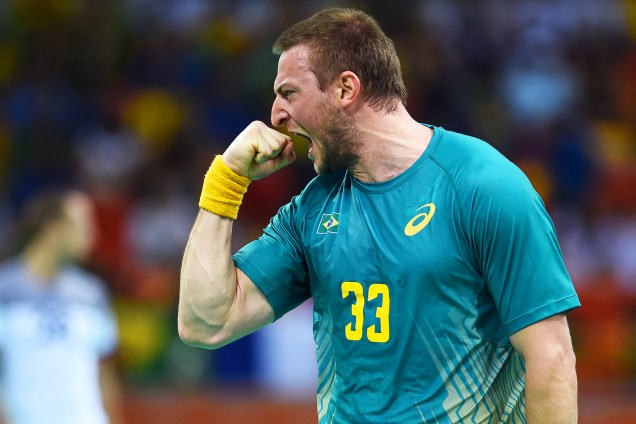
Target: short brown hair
349, 40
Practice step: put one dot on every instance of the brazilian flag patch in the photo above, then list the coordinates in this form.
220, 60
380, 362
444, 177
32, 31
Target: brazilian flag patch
329, 223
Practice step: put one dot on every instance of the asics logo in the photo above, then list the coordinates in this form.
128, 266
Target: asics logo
421, 220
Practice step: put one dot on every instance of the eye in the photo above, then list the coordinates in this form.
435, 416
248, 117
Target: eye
286, 93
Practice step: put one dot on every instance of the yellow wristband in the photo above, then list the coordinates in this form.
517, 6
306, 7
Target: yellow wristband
223, 190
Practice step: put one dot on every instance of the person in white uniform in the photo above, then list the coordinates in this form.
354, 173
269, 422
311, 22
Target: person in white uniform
57, 331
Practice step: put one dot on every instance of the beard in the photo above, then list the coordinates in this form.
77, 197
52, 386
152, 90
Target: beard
340, 142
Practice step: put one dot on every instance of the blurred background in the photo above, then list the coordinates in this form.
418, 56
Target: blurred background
130, 100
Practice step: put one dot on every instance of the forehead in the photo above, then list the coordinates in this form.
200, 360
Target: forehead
294, 68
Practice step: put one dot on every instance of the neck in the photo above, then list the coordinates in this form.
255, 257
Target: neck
390, 144
41, 261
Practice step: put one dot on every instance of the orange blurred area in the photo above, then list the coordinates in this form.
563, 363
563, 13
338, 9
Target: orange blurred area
602, 403
604, 332
216, 407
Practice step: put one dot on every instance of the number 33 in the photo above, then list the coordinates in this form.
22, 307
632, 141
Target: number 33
354, 330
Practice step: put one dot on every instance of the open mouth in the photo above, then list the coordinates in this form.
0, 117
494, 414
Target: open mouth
307, 139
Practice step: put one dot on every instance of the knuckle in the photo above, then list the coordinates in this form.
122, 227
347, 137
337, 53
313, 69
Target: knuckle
265, 149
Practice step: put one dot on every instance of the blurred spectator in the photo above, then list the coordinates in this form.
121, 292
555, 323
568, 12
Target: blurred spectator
57, 332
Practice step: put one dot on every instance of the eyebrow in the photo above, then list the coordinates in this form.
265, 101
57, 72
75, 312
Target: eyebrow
280, 89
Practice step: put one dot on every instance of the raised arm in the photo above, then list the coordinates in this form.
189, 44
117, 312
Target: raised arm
217, 302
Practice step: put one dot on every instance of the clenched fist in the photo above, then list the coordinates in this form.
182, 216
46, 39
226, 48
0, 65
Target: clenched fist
259, 151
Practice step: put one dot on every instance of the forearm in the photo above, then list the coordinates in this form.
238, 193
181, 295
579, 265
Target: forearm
551, 391
217, 302
208, 280
112, 396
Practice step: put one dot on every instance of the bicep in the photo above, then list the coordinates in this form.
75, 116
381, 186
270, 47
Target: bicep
275, 263
251, 309
544, 339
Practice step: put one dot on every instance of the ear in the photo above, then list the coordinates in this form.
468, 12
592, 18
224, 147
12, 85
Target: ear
347, 88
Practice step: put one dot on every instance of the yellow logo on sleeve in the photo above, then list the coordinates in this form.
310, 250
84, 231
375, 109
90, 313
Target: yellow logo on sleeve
419, 221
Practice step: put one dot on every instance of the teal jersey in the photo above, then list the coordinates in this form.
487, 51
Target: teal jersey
417, 284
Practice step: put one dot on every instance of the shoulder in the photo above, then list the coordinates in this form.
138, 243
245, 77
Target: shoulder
9, 266
10, 274
11, 270
474, 166
83, 286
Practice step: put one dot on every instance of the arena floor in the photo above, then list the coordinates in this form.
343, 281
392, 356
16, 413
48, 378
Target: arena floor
600, 403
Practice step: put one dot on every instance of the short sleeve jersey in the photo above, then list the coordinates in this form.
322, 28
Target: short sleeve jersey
52, 337
417, 284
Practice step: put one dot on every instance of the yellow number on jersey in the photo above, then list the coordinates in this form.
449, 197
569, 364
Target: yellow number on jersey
382, 313
353, 330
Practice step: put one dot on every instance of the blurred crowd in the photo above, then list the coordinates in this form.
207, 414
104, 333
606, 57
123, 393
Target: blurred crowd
131, 99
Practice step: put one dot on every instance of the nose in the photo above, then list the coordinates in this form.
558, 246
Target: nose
279, 114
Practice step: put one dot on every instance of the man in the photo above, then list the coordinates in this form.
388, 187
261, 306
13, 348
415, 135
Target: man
57, 333
438, 285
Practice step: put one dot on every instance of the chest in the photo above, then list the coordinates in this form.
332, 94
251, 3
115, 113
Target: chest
413, 231
383, 266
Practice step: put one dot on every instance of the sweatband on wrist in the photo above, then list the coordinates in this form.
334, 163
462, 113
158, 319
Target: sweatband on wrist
223, 190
